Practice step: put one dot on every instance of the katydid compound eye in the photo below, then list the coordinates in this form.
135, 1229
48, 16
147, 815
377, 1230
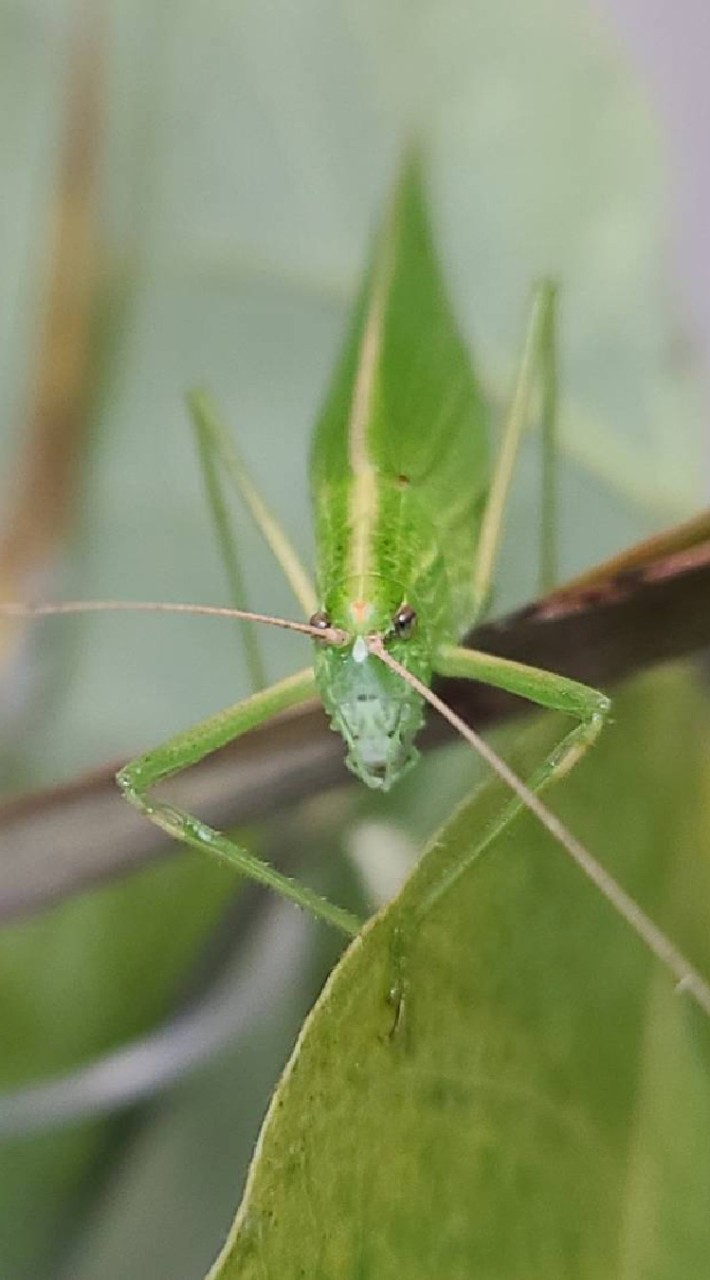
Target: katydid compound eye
320, 621
404, 621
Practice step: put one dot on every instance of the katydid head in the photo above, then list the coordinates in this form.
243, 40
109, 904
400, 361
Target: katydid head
377, 713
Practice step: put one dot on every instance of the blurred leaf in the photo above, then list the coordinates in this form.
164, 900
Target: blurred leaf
94, 972
247, 149
163, 1168
542, 1108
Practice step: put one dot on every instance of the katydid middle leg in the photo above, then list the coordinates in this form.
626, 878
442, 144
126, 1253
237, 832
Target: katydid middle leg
138, 778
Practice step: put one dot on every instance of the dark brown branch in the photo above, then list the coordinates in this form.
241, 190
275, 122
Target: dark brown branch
644, 611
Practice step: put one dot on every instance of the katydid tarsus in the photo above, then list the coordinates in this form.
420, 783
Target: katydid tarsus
408, 518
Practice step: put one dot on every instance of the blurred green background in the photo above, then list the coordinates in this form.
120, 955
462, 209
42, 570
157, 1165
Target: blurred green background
241, 153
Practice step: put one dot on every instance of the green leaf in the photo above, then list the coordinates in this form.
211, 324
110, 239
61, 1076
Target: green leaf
542, 1107
247, 151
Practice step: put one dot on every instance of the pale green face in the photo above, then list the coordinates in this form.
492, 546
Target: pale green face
375, 711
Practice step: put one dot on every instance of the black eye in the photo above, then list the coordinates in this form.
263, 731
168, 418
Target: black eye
404, 621
320, 621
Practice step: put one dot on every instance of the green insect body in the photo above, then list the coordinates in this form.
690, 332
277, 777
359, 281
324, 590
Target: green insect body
390, 506
408, 521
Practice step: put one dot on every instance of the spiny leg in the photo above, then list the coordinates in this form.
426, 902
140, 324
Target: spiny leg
215, 442
138, 778
538, 359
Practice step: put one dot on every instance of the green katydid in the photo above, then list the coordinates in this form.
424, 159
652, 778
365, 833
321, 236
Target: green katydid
408, 524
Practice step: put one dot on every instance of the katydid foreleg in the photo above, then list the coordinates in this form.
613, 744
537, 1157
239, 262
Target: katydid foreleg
138, 778
526, 796
555, 693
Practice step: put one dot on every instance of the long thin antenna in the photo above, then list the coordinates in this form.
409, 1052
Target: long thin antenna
661, 947
330, 635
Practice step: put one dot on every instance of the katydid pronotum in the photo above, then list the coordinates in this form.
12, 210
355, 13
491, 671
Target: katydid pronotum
408, 525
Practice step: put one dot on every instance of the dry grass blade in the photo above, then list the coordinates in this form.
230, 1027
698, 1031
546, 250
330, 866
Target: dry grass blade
46, 471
